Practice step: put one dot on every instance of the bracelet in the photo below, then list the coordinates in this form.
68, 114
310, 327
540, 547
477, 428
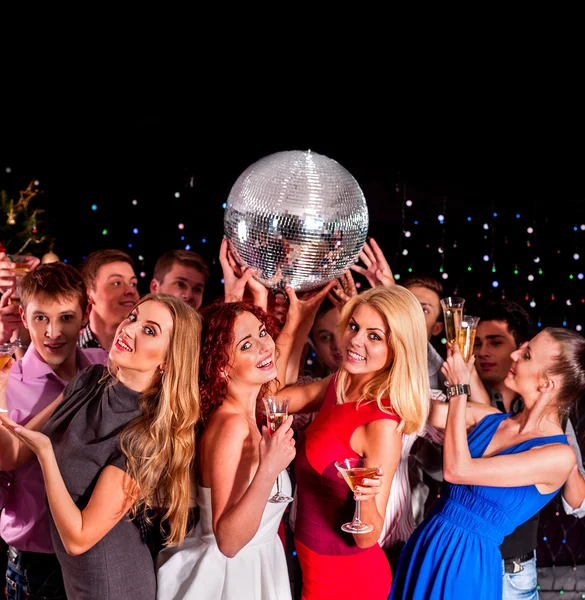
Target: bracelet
459, 389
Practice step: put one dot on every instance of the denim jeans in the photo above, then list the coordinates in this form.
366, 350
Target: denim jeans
522, 585
33, 576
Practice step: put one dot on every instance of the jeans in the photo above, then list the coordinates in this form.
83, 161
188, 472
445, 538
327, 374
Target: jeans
33, 576
522, 585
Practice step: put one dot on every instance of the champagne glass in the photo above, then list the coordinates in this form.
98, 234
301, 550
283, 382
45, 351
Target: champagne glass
6, 352
20, 271
354, 471
276, 415
452, 312
466, 336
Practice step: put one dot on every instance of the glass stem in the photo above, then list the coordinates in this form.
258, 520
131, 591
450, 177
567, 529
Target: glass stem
356, 514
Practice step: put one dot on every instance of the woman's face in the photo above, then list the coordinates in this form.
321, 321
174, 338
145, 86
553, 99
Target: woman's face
252, 359
530, 363
365, 342
143, 337
327, 339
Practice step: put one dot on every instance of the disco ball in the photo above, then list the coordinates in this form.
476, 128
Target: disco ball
297, 218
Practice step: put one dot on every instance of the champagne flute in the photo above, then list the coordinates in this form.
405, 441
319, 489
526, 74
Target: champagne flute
354, 471
466, 336
20, 271
276, 415
452, 312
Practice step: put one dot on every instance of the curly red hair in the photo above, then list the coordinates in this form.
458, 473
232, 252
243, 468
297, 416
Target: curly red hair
217, 339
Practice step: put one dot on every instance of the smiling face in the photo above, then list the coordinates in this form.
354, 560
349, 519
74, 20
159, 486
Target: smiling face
327, 339
365, 342
185, 283
252, 353
114, 292
54, 327
530, 363
142, 340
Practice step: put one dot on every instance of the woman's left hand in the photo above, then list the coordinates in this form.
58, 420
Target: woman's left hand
307, 304
370, 487
38, 442
455, 369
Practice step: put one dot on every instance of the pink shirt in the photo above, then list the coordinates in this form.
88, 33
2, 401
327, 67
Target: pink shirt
32, 386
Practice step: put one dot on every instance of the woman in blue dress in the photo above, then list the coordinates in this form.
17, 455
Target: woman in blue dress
500, 474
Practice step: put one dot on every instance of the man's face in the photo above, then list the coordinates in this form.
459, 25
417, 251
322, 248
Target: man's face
114, 293
431, 305
54, 327
493, 348
185, 283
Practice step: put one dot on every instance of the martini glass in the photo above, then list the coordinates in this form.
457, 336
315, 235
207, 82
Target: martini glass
276, 415
354, 471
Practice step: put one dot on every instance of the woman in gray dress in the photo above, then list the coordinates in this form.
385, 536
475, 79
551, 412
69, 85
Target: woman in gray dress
119, 441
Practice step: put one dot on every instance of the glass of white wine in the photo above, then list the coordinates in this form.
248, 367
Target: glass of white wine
354, 471
466, 336
453, 313
276, 414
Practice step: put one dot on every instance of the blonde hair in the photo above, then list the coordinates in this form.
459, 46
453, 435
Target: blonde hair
405, 381
160, 444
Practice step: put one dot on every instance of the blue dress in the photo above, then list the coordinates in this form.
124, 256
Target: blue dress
454, 553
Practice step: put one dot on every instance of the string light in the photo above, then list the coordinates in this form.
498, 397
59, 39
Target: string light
177, 195
181, 226
409, 203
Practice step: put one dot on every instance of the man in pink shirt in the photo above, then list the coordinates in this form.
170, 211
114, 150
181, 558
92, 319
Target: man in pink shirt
54, 308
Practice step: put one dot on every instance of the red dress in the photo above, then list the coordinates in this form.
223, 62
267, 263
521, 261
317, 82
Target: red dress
333, 565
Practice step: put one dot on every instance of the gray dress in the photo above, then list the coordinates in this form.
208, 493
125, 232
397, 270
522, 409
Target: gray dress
85, 431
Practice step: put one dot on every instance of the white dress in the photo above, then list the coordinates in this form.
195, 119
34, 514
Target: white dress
197, 570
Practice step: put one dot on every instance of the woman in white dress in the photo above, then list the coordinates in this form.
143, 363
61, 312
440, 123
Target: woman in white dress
235, 551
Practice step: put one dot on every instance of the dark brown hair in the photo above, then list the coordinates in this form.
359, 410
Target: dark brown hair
570, 365
424, 281
94, 261
53, 281
184, 257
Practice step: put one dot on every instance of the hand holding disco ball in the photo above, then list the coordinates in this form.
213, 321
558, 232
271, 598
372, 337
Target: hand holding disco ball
297, 218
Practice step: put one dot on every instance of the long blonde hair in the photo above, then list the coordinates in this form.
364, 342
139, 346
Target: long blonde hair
406, 379
160, 444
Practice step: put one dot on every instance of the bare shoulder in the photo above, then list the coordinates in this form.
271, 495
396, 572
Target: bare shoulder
382, 427
227, 424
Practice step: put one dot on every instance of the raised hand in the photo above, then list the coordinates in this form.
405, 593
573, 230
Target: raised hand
38, 442
236, 280
10, 319
306, 305
343, 291
455, 369
377, 270
7, 278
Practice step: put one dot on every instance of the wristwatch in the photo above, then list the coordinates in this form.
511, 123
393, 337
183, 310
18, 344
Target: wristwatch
459, 389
